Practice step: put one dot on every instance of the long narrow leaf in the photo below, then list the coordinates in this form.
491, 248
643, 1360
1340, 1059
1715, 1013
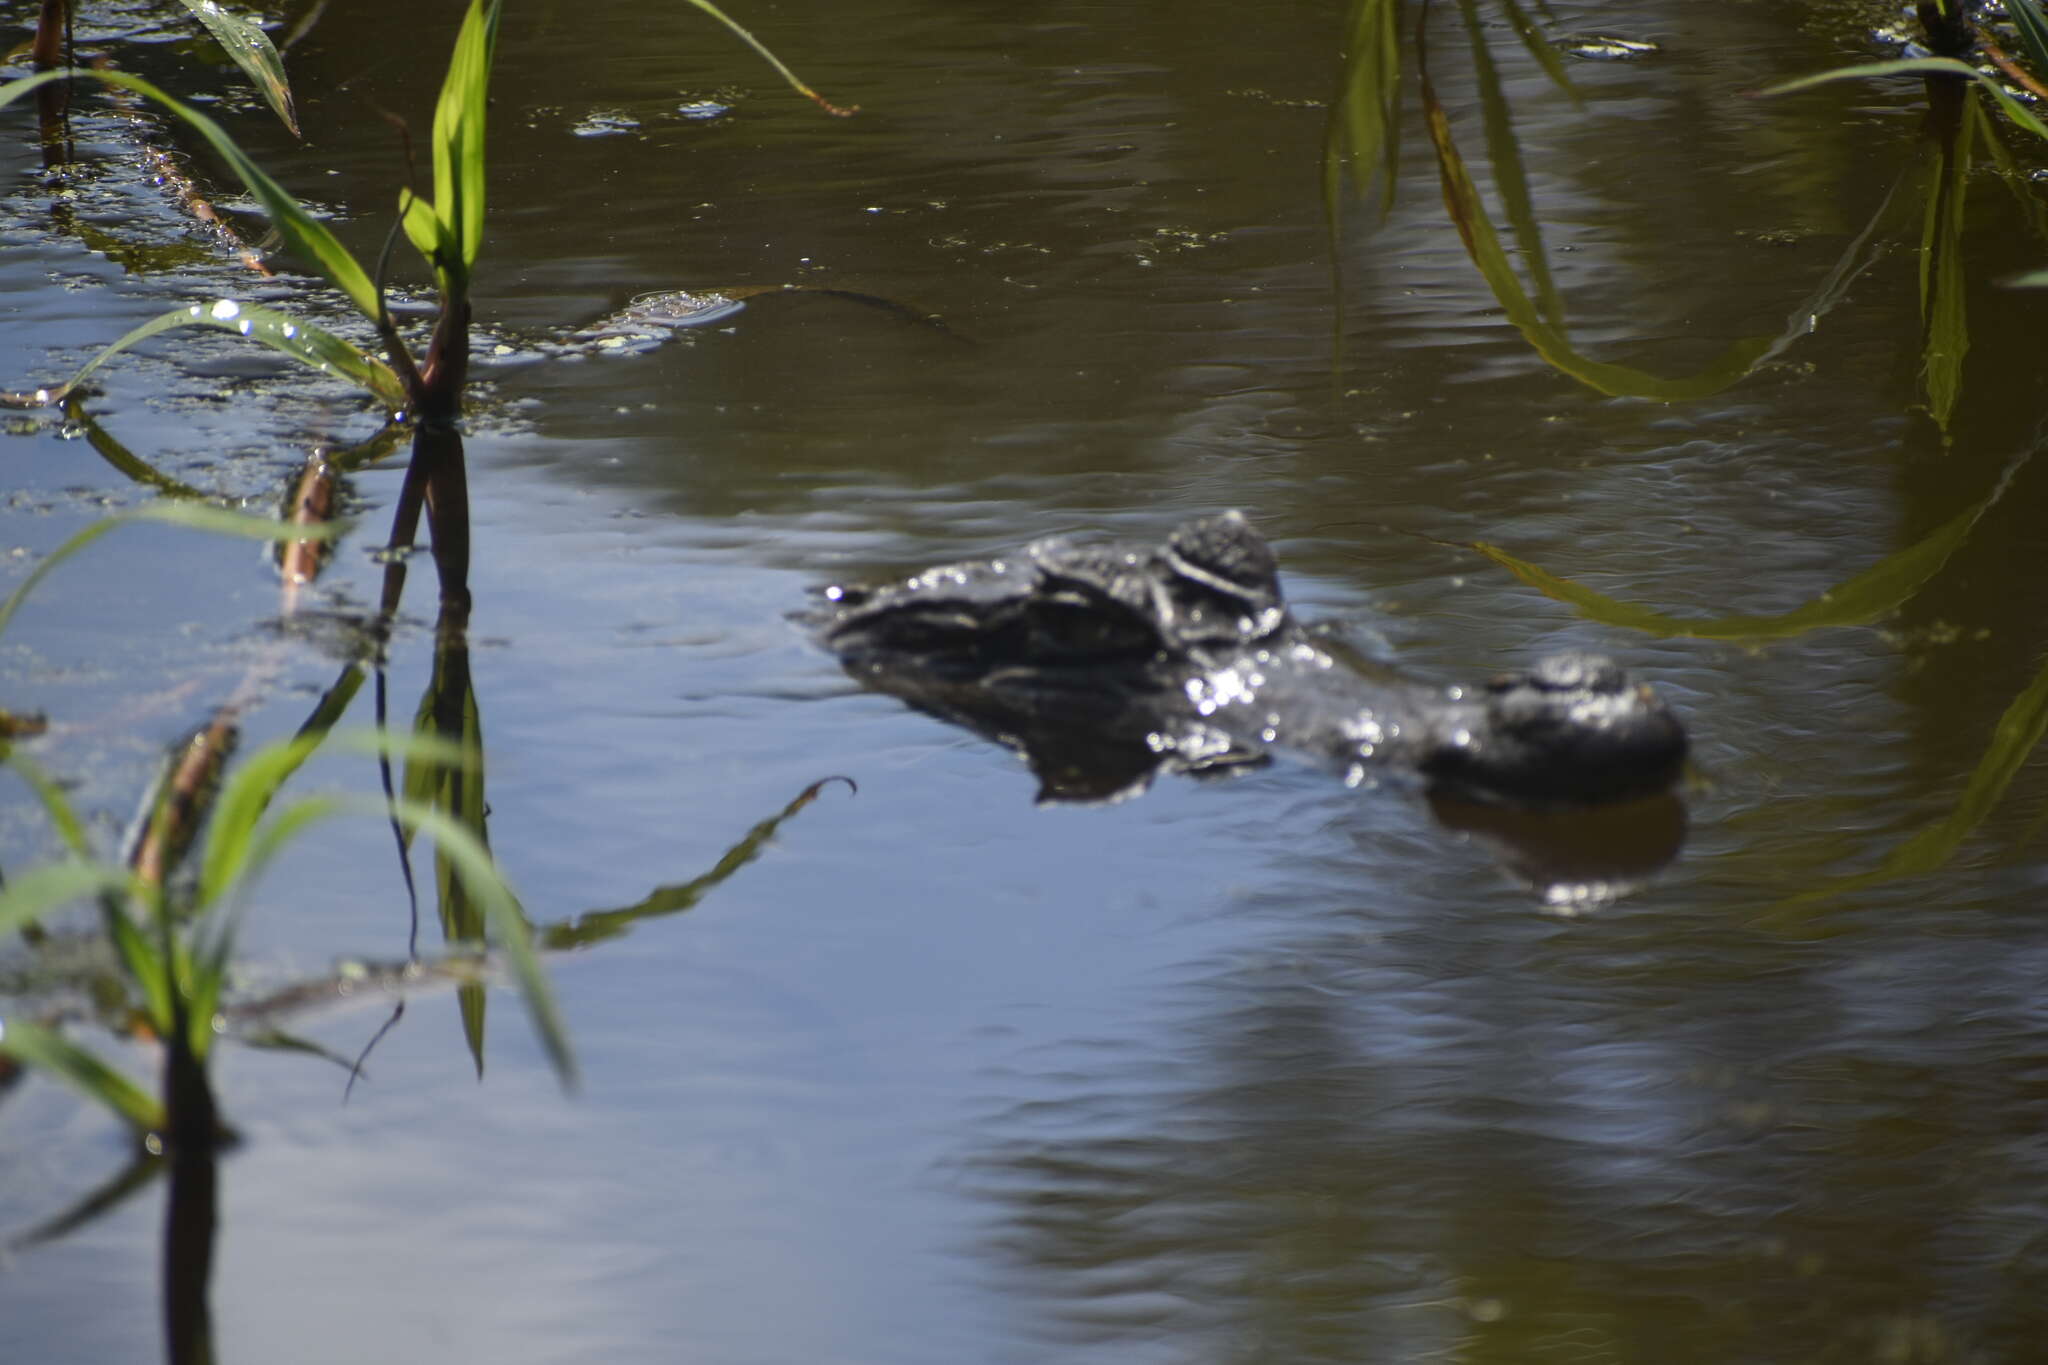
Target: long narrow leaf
40, 890
193, 515
1920, 66
459, 121
252, 50
69, 828
1944, 326
761, 49
1869, 596
1482, 244
302, 341
302, 232
84, 1072
509, 930
2027, 16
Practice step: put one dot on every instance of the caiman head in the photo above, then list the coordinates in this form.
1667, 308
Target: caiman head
1064, 608
1573, 729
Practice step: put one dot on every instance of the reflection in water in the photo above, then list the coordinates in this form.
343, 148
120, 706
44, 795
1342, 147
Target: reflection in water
1491, 1141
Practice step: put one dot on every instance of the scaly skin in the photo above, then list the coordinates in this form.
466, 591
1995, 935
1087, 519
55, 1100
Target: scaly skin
1186, 651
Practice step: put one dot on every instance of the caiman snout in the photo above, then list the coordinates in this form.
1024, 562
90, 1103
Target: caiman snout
1573, 728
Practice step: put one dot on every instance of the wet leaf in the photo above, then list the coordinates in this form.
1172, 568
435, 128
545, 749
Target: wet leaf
37, 892
302, 233
508, 928
251, 49
1365, 124
1468, 211
192, 515
449, 718
1510, 178
83, 1071
599, 925
1869, 596
314, 346
459, 119
1946, 332
2013, 741
55, 804
787, 75
2032, 24
1920, 66
119, 456
1539, 47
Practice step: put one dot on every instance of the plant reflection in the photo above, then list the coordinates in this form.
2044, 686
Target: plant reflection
1363, 148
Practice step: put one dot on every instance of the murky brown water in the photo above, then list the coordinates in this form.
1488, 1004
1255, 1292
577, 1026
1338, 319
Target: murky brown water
1263, 1069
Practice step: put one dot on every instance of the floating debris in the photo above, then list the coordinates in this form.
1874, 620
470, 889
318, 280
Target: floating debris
1600, 47
605, 123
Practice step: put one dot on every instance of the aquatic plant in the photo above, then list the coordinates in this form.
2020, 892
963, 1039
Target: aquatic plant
1362, 150
445, 226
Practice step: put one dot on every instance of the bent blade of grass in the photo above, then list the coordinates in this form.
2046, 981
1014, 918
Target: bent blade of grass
2032, 24
1919, 66
302, 341
1510, 177
598, 925
40, 890
1869, 596
112, 451
762, 51
192, 515
62, 815
302, 233
1945, 328
2013, 740
84, 1072
251, 49
472, 862
1364, 130
1482, 244
1540, 48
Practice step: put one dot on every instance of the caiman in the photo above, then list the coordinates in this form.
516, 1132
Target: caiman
1106, 662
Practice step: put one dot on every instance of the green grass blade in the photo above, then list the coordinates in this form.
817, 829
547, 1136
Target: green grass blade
509, 931
599, 925
459, 120
1869, 596
1945, 327
144, 963
1510, 177
1920, 66
2013, 741
2033, 279
62, 815
1364, 129
302, 233
762, 51
304, 342
192, 515
1546, 56
119, 456
252, 50
83, 1071
2028, 18
247, 793
40, 890
1482, 244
